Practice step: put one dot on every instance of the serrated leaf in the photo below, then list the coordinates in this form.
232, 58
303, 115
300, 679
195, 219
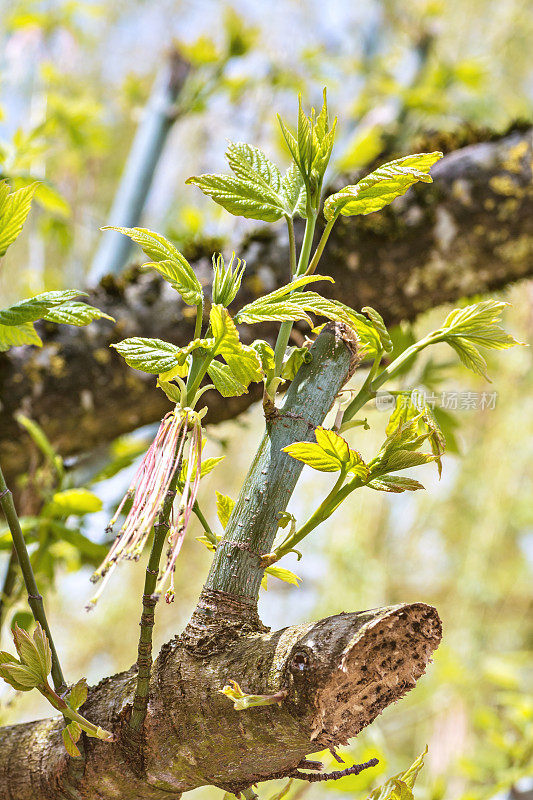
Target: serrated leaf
225, 506
149, 355
224, 380
167, 260
394, 483
14, 208
73, 501
17, 335
330, 453
78, 694
282, 304
382, 186
294, 192
74, 313
470, 356
242, 360
242, 198
69, 743
35, 308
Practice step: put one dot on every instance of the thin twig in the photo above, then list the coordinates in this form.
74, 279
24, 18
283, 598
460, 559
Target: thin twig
35, 600
144, 657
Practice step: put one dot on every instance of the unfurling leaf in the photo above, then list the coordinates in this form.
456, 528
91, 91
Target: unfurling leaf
167, 260
14, 208
382, 186
312, 146
400, 787
34, 653
477, 325
225, 506
381, 328
394, 483
226, 280
242, 701
330, 453
71, 735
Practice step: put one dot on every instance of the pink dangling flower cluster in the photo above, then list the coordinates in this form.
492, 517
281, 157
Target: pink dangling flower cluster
149, 488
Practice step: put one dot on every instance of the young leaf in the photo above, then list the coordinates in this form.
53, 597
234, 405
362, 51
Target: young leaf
14, 208
149, 355
17, 335
19, 676
78, 694
241, 198
281, 574
224, 380
476, 325
167, 260
225, 506
70, 736
394, 483
36, 307
330, 453
42, 647
242, 701
282, 304
74, 313
242, 360
382, 186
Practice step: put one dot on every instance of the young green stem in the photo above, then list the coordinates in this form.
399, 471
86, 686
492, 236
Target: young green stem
35, 599
369, 388
286, 327
144, 652
292, 245
210, 535
199, 317
313, 264
325, 509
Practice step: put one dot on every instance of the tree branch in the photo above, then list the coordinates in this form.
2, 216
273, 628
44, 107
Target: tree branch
470, 232
340, 673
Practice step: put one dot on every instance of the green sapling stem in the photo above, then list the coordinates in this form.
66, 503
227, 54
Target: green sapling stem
35, 599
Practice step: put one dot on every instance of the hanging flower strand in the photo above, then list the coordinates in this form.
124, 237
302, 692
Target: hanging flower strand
188, 484
149, 488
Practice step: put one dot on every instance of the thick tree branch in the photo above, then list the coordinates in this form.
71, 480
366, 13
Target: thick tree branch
470, 232
339, 673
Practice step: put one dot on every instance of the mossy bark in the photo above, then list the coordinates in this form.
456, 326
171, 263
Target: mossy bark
470, 232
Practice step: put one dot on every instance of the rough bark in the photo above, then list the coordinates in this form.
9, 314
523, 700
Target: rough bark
339, 673
470, 232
